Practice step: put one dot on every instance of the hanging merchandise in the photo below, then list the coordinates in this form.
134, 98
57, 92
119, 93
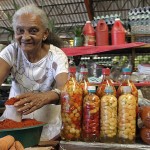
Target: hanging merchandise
126, 116
127, 82
71, 108
108, 116
89, 34
90, 126
118, 33
102, 33
106, 81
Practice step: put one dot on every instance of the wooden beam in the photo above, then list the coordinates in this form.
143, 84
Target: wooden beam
88, 5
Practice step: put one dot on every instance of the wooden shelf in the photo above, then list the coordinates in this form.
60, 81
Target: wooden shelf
144, 46
84, 50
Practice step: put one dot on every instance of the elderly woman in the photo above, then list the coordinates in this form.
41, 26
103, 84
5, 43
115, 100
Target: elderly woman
35, 65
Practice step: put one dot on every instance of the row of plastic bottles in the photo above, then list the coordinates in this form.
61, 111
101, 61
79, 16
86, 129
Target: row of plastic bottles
139, 20
101, 114
100, 35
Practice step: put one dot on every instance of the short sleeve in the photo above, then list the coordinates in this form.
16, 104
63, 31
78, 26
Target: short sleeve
60, 61
8, 54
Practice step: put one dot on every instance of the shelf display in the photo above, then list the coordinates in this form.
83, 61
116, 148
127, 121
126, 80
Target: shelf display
84, 50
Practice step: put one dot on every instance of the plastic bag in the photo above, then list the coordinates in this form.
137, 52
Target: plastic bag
12, 113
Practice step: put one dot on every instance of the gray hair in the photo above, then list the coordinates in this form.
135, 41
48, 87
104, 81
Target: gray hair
30, 9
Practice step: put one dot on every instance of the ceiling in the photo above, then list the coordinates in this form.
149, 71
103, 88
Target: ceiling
68, 13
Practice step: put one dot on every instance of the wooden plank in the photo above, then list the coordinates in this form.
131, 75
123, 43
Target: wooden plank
101, 146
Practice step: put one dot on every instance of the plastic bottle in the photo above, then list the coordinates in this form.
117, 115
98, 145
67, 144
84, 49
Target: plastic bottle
127, 82
106, 81
108, 113
118, 33
83, 81
89, 34
71, 108
126, 116
91, 126
102, 33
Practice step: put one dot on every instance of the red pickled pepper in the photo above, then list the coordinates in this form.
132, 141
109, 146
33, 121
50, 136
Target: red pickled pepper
11, 101
91, 116
106, 81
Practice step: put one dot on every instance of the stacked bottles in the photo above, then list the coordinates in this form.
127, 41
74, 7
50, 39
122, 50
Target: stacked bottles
127, 82
71, 110
108, 116
126, 116
89, 34
90, 126
106, 81
84, 80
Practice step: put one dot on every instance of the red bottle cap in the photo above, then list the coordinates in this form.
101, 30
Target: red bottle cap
106, 71
72, 69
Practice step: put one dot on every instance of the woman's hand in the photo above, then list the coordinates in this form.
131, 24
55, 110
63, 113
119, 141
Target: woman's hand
30, 102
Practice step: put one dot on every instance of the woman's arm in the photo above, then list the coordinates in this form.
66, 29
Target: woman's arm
30, 102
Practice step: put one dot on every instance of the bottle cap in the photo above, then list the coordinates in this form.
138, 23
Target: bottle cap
117, 19
106, 71
108, 89
91, 88
126, 89
84, 70
126, 70
88, 21
72, 69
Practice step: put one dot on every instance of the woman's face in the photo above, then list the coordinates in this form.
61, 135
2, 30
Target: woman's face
30, 32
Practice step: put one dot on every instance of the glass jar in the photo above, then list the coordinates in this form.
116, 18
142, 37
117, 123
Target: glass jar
108, 116
106, 81
91, 126
71, 110
126, 116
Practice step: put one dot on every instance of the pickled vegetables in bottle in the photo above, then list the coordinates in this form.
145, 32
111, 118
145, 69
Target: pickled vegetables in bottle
126, 116
71, 110
91, 126
106, 81
108, 116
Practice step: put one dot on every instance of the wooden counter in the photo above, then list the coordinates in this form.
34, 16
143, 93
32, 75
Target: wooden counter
101, 146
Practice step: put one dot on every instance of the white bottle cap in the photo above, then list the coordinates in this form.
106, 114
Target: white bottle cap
88, 21
117, 19
91, 88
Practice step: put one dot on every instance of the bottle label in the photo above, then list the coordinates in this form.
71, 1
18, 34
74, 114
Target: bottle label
89, 40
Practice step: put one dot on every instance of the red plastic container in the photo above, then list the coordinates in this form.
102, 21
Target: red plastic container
118, 33
102, 33
89, 34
